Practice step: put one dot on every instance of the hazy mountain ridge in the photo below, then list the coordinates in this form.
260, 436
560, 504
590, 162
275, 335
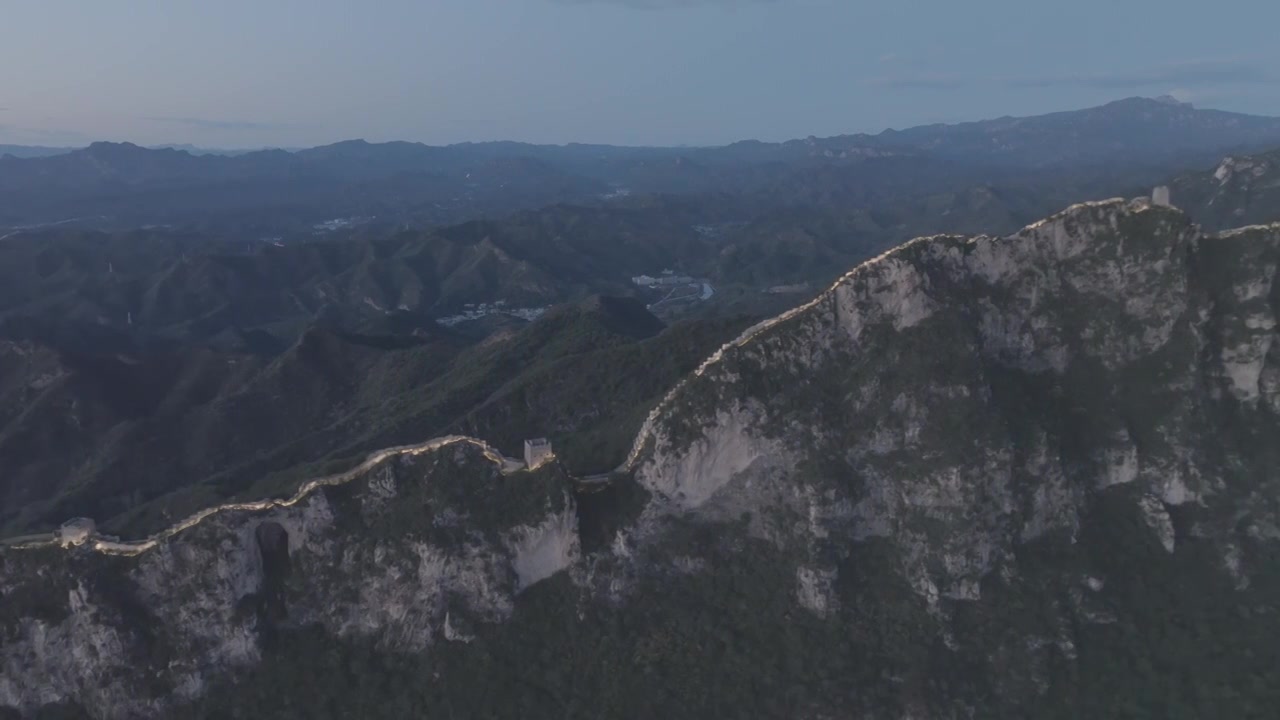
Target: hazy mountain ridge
185, 286
193, 288
121, 184
1026, 475
1129, 131
26, 151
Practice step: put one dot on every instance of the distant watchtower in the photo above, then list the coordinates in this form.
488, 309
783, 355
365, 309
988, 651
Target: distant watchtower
536, 452
76, 531
1160, 196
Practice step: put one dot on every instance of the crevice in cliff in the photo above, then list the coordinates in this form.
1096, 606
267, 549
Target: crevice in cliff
267, 604
273, 547
605, 509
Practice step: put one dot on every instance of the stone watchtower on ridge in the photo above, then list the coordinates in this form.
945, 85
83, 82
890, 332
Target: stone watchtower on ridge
75, 532
1160, 196
536, 452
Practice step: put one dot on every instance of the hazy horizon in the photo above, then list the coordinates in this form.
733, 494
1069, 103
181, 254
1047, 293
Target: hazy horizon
294, 147
237, 75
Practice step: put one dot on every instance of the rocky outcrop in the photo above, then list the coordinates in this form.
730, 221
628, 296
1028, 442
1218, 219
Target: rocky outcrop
1241, 190
963, 396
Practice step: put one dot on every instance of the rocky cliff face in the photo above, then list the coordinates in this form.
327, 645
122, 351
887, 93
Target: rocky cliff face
1119, 323
964, 400
1028, 476
404, 555
1241, 190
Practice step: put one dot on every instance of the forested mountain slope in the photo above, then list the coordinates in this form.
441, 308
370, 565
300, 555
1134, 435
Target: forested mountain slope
1023, 476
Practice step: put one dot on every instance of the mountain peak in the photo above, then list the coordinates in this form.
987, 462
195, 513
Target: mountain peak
128, 151
1171, 100
102, 146
1138, 102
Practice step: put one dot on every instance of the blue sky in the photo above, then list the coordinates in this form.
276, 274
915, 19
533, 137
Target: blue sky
245, 73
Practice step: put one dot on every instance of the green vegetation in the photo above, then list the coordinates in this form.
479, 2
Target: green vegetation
718, 644
730, 641
447, 497
187, 432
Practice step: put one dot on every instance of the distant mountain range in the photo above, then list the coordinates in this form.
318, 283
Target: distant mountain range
161, 287
1134, 130
397, 182
30, 151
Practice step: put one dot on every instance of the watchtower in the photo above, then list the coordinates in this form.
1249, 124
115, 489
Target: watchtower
536, 452
1160, 196
75, 532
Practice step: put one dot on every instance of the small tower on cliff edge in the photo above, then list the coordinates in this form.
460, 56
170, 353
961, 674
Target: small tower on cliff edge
1160, 196
74, 532
536, 452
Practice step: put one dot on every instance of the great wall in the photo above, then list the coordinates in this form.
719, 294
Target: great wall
506, 465
136, 547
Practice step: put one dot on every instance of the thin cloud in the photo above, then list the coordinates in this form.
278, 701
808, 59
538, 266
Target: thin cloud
44, 134
215, 124
1186, 74
921, 81
1200, 73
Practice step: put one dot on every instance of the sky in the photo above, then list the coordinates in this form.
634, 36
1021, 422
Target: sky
292, 73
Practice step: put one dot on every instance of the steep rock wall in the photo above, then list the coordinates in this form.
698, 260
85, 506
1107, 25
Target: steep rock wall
387, 556
962, 396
